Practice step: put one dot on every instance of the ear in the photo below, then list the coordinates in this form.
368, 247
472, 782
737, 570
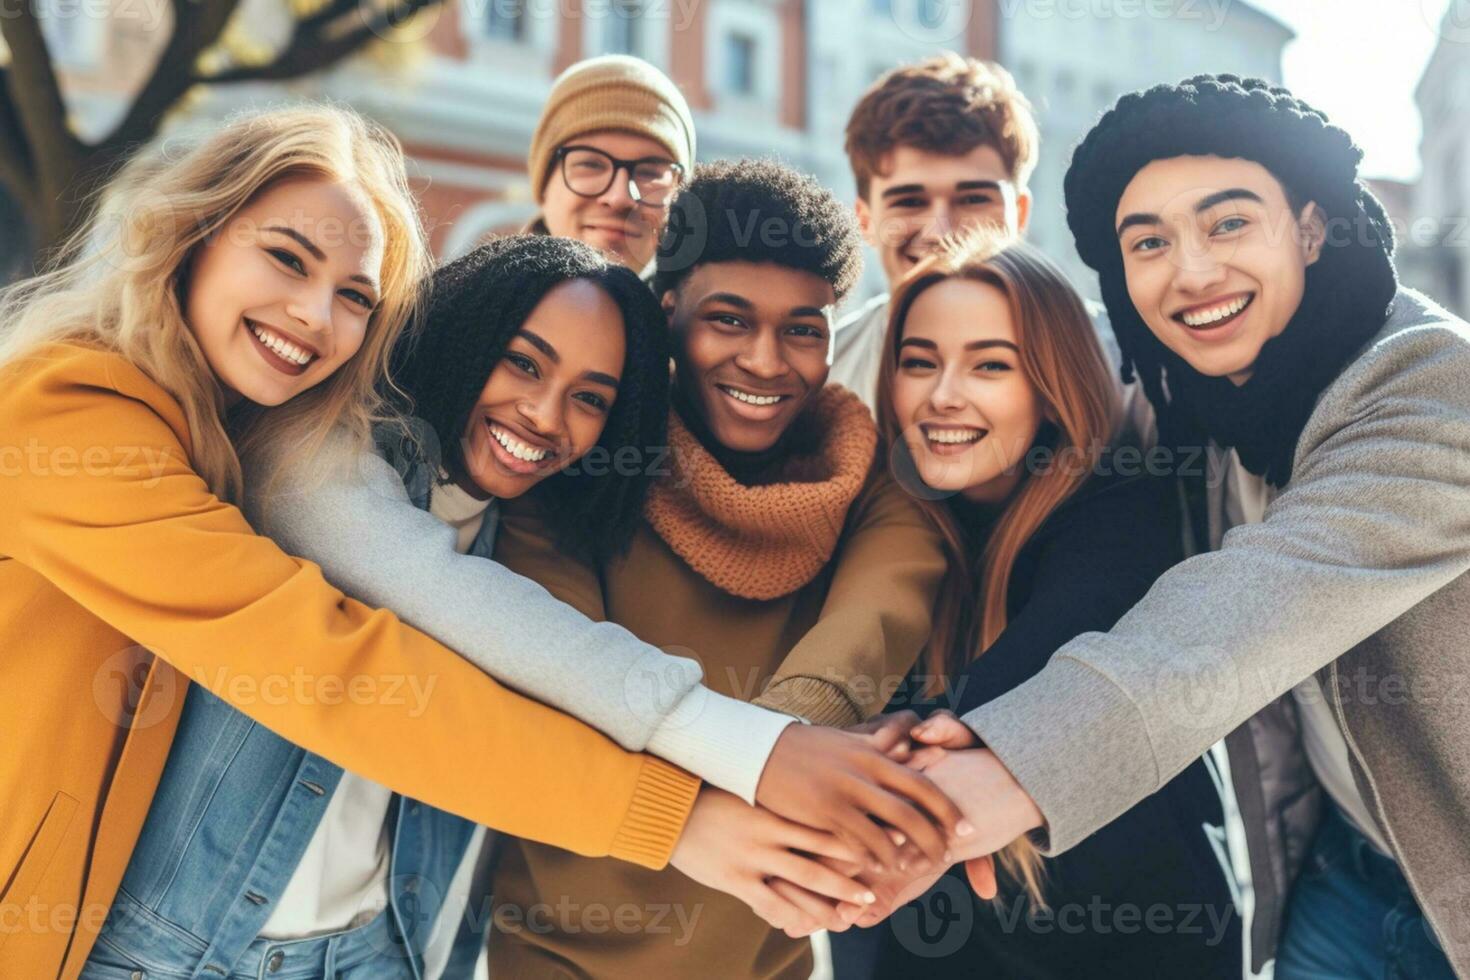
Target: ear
1313, 228
668, 301
865, 220
1023, 211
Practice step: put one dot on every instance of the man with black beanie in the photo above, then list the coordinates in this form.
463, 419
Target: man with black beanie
1318, 417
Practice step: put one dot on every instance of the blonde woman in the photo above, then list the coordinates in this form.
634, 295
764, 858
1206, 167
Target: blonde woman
245, 291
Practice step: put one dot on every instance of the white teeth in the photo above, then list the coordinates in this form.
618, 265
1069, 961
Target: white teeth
953, 435
517, 448
749, 398
283, 347
1200, 318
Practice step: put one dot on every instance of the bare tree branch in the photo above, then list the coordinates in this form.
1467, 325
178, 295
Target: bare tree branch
35, 94
197, 27
324, 43
15, 156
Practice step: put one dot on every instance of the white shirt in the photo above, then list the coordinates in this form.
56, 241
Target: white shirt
1246, 498
342, 879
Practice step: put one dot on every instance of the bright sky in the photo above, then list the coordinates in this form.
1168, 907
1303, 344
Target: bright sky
1358, 61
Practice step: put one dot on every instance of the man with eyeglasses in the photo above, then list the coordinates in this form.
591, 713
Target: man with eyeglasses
611, 149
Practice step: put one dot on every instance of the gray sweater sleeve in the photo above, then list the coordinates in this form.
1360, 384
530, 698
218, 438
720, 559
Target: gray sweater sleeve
1375, 518
375, 545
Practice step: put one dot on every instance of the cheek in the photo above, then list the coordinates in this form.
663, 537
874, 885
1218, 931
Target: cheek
908, 395
585, 429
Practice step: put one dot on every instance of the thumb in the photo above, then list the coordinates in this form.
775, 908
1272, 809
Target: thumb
943, 729
981, 872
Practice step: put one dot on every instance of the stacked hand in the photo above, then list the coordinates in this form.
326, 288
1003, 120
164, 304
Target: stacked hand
853, 824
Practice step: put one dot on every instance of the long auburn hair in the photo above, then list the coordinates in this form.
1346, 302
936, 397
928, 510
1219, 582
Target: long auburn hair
119, 283
1061, 358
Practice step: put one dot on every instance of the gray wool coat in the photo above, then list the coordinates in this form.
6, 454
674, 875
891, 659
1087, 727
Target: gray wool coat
1360, 573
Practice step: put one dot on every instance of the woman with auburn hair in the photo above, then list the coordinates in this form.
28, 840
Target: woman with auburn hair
996, 401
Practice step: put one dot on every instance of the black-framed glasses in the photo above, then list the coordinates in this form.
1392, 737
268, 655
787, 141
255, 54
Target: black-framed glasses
589, 172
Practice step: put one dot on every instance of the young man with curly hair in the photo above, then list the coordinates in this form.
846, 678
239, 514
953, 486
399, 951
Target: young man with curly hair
773, 550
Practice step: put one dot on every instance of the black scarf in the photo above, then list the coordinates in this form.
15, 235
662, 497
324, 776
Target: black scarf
1345, 303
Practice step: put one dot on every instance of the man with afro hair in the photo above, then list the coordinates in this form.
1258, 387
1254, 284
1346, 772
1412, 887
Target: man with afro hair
775, 548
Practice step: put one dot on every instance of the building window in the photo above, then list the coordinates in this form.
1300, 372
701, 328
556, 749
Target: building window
931, 14
740, 64
623, 32
506, 20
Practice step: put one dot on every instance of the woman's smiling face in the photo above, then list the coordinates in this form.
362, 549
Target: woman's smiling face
547, 400
1215, 258
966, 408
280, 297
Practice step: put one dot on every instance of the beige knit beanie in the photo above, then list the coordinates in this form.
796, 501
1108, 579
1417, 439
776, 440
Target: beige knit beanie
612, 91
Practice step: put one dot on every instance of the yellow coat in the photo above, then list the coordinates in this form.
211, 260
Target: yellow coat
123, 580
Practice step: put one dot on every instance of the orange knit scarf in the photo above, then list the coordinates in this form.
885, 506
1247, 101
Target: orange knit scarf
763, 542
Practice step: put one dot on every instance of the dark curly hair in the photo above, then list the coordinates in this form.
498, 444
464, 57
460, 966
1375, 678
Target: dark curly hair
758, 211
1348, 289
475, 306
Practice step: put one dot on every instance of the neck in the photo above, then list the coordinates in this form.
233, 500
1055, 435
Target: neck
461, 479
743, 466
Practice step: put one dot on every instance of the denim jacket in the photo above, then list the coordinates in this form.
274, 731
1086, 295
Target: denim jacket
232, 816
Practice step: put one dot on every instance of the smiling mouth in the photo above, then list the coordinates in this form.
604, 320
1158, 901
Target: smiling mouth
1216, 315
279, 352
517, 454
948, 440
751, 398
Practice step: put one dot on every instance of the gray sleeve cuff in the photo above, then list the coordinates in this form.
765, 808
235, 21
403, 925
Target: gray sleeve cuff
1076, 743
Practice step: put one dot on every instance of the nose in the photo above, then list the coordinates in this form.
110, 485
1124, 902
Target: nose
619, 193
311, 308
541, 411
946, 395
938, 224
761, 356
1197, 268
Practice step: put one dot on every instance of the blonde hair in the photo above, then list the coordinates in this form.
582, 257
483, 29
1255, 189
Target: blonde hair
1061, 358
119, 281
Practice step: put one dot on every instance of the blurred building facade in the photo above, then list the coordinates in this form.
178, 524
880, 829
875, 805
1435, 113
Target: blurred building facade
1437, 255
762, 76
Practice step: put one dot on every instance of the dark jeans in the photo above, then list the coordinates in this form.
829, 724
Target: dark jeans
1352, 915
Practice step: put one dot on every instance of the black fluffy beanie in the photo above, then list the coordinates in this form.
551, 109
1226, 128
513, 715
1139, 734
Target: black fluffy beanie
475, 306
1348, 289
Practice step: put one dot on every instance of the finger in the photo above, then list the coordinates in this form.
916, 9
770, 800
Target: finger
823, 845
944, 729
851, 823
917, 787
852, 869
777, 911
926, 757
901, 750
928, 839
818, 878
821, 913
892, 729
981, 872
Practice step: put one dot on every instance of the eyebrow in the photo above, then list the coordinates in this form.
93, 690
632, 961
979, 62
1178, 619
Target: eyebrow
741, 303
972, 345
541, 344
1204, 204
317, 253
964, 185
